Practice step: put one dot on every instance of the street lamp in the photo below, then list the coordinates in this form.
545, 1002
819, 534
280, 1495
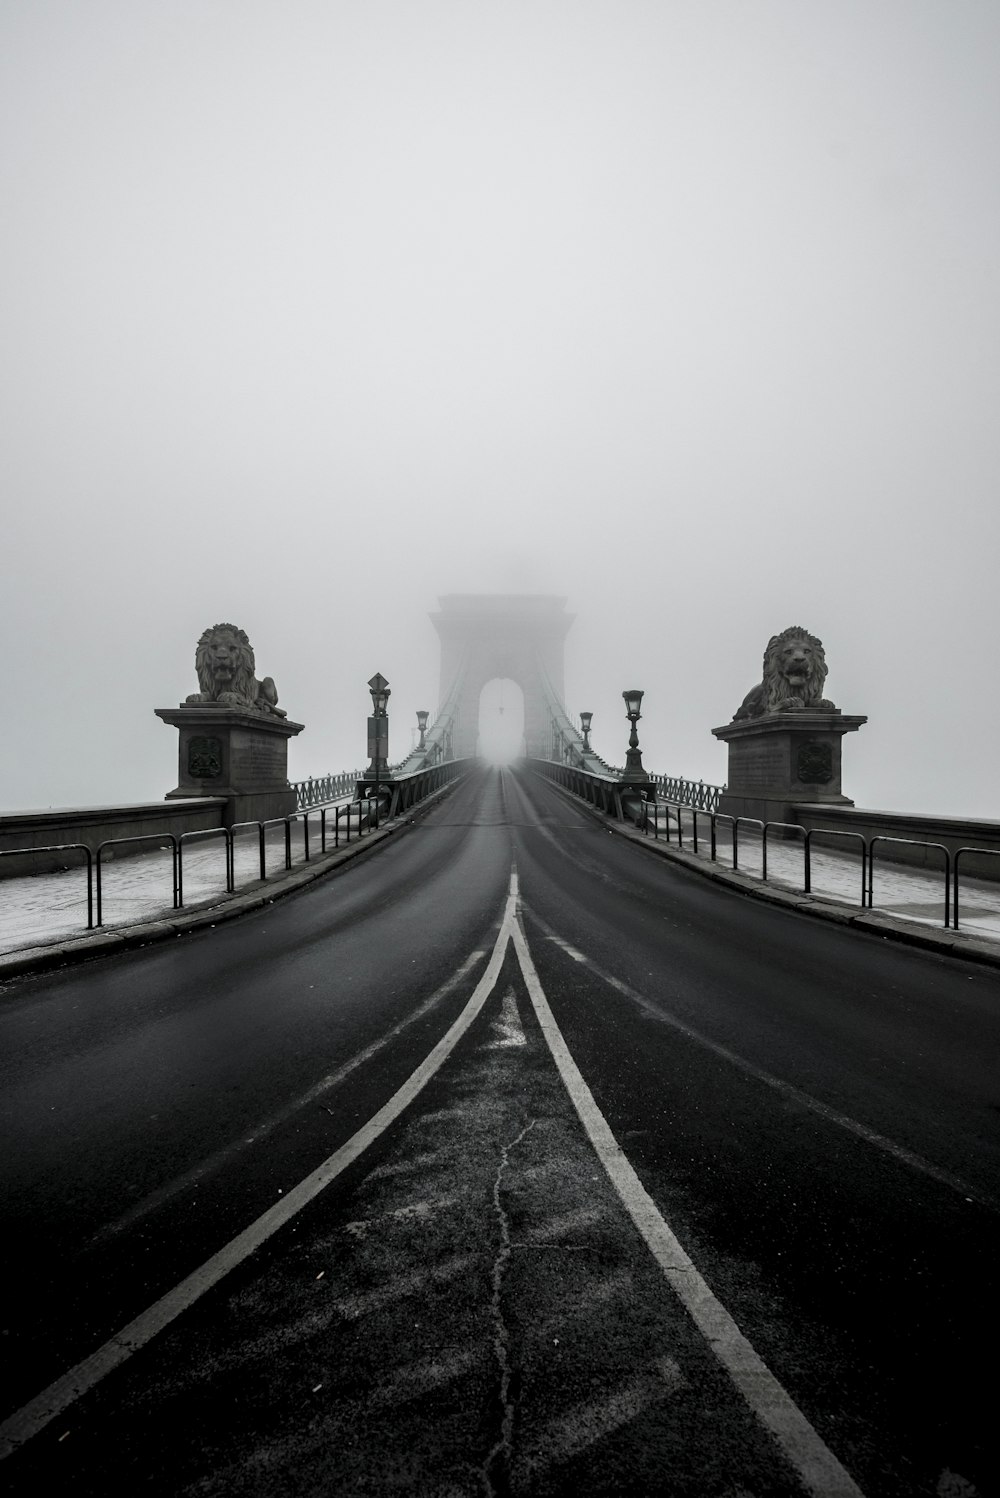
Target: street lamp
585, 721
378, 730
633, 760
422, 716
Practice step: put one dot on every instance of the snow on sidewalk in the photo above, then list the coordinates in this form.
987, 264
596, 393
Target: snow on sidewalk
43, 909
911, 893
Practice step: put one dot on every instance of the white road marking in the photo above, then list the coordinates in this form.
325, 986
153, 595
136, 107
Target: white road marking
443, 1115
405, 1167
619, 1282
570, 951
590, 1422
816, 1464
507, 1027
414, 1212
788, 1090
558, 1227
268, 1125
37, 1413
353, 1307
432, 1373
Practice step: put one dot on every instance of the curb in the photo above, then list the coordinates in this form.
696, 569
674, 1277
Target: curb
106, 943
875, 923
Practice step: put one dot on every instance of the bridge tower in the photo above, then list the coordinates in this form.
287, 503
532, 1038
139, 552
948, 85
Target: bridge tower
519, 636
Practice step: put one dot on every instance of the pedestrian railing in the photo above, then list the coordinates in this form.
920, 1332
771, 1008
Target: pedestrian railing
63, 848
913, 843
691, 793
163, 838
399, 793
338, 824
666, 816
606, 792
980, 852
227, 848
324, 789
857, 837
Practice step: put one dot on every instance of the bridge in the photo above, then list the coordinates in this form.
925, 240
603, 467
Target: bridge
526, 1129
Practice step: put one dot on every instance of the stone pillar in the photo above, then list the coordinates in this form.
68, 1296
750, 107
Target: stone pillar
783, 758
232, 752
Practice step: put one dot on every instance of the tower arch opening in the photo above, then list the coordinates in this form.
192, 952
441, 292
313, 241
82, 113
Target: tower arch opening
500, 740
519, 637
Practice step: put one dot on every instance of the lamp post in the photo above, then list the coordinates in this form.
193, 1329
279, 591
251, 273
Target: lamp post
585, 721
378, 730
633, 760
422, 716
637, 786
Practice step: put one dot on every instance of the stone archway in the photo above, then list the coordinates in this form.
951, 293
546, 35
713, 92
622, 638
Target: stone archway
520, 636
501, 721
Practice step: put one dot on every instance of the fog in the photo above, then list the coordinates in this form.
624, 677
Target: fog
687, 312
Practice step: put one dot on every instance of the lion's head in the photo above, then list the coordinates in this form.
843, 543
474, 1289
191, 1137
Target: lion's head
225, 665
794, 667
794, 673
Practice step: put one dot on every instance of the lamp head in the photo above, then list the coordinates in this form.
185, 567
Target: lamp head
633, 702
422, 716
585, 721
379, 688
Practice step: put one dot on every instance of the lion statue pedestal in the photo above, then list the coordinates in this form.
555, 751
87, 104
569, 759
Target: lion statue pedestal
785, 738
226, 751
784, 758
233, 735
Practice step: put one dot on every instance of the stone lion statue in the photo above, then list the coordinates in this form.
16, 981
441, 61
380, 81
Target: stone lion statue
794, 673
225, 665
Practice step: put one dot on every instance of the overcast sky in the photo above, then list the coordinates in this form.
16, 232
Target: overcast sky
685, 310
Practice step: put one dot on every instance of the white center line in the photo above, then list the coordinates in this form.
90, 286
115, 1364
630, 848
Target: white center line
816, 1464
35, 1415
777, 1084
260, 1131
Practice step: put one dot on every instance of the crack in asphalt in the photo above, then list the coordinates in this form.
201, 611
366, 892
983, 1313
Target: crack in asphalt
501, 1449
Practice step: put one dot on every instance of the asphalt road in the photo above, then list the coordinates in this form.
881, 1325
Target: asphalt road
667, 1190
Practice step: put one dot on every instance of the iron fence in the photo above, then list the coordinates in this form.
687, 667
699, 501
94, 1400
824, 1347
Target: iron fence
399, 793
365, 814
666, 815
163, 838
989, 853
836, 832
913, 842
227, 849
324, 789
64, 848
697, 794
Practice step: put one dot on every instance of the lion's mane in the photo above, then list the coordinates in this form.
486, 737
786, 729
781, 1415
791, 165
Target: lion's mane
775, 693
243, 690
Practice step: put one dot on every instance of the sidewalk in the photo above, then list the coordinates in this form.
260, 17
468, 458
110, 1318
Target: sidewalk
45, 909
910, 893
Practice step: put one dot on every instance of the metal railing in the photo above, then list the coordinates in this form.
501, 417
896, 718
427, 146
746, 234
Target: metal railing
987, 852
146, 837
666, 815
837, 832
349, 820
603, 791
227, 848
324, 789
913, 842
692, 793
64, 848
785, 828
402, 792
